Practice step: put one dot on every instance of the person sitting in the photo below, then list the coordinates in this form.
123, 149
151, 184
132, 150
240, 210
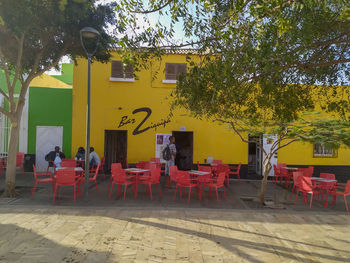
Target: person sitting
80, 156
55, 157
94, 159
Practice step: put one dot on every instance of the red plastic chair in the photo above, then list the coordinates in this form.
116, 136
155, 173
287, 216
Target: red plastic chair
1, 166
65, 177
236, 173
172, 175
150, 180
115, 167
141, 165
305, 186
277, 173
295, 179
94, 177
71, 163
20, 161
335, 192
119, 178
48, 179
218, 183
285, 175
101, 167
183, 179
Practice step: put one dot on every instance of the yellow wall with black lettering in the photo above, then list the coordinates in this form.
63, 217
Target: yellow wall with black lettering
111, 100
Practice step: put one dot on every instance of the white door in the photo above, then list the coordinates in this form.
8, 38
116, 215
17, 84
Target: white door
47, 137
268, 141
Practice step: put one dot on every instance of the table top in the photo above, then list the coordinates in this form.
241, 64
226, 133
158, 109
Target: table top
289, 168
77, 169
196, 172
325, 180
136, 170
214, 164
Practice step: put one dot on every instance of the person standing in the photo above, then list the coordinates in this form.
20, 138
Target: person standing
172, 149
94, 159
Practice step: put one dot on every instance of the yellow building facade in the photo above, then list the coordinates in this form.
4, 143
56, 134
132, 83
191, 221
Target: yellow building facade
135, 111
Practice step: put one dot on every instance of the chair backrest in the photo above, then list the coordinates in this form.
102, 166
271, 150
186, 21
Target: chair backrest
155, 175
283, 171
96, 171
115, 167
141, 165
182, 176
311, 170
295, 177
150, 166
203, 168
305, 183
324, 185
65, 176
327, 176
221, 179
173, 172
239, 167
276, 170
279, 165
156, 160
19, 159
68, 163
217, 161
34, 172
119, 175
347, 187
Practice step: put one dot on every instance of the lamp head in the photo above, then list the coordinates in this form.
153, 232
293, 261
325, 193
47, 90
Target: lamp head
89, 32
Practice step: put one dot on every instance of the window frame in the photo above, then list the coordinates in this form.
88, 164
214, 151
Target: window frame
178, 70
124, 73
333, 154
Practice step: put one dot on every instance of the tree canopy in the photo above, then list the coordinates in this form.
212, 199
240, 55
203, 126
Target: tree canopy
34, 36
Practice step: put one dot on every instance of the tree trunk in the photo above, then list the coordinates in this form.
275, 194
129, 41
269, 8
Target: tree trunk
267, 169
11, 161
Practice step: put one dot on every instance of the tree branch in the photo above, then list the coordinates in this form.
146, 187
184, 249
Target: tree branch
18, 66
153, 10
5, 112
286, 144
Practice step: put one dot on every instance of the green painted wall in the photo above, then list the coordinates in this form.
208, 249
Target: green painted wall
3, 83
50, 107
67, 74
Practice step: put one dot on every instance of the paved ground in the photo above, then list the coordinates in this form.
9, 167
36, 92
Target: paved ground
171, 235
164, 230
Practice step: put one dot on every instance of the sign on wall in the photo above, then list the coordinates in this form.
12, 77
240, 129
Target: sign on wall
162, 140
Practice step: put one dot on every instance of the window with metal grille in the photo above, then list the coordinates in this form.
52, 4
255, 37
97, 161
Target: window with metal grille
121, 71
172, 70
321, 151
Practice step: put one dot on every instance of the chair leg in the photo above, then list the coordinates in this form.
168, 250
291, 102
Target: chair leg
54, 194
312, 195
125, 187
160, 191
74, 192
96, 187
224, 193
296, 197
209, 191
346, 205
33, 190
175, 192
217, 196
111, 190
150, 191
326, 203
189, 194
291, 195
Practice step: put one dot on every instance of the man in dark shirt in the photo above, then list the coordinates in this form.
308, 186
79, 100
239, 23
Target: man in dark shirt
54, 156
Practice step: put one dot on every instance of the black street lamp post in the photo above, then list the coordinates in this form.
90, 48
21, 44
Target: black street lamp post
88, 33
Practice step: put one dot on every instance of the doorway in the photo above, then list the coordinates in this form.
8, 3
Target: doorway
115, 148
254, 156
184, 149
